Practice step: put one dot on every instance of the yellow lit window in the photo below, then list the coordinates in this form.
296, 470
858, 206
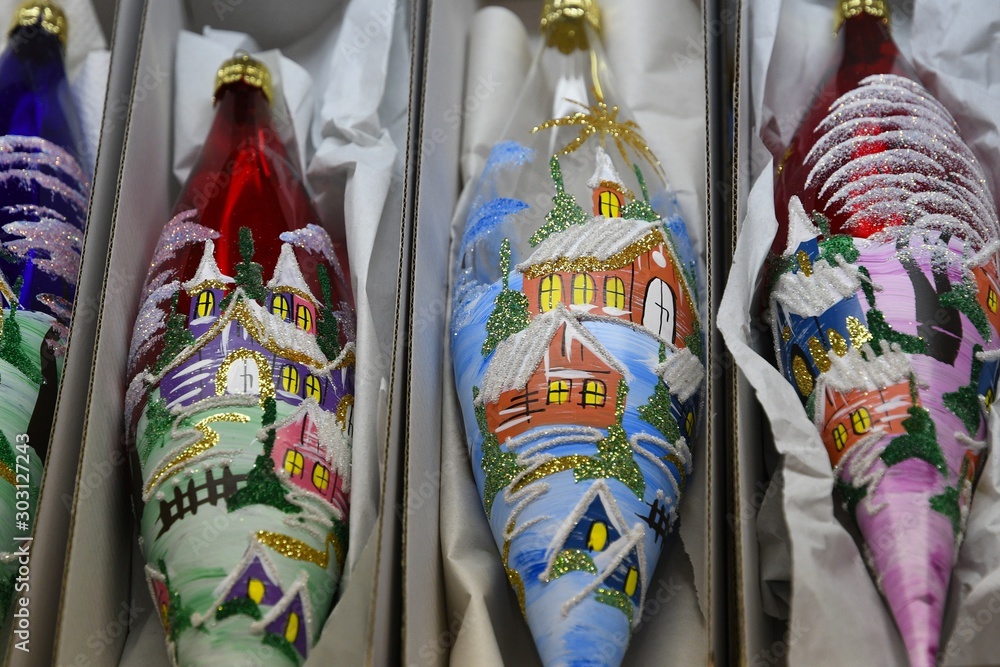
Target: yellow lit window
255, 589
206, 303
558, 392
321, 477
631, 581
598, 538
802, 374
314, 388
689, 423
989, 398
163, 612
611, 204
550, 292
991, 300
292, 628
583, 288
303, 318
595, 393
294, 462
861, 420
290, 379
614, 293
280, 307
840, 437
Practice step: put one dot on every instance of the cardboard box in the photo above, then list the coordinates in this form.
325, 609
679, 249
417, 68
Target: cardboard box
438, 616
105, 614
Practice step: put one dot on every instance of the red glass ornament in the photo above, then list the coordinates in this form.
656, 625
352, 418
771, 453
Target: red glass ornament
867, 48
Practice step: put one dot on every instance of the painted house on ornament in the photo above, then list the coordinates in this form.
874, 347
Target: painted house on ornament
249, 348
256, 580
602, 533
158, 590
612, 266
309, 446
553, 372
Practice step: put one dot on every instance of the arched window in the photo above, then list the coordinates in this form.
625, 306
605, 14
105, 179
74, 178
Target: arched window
303, 318
558, 392
256, 589
314, 388
595, 393
294, 462
550, 292
583, 288
840, 437
597, 539
989, 398
991, 300
611, 204
321, 477
861, 420
206, 304
631, 581
280, 307
614, 293
290, 379
689, 424
292, 628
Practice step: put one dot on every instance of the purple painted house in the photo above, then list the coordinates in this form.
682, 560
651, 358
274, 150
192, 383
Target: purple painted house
248, 348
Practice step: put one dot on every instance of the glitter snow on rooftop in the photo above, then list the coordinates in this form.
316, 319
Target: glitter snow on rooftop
580, 374
243, 420
888, 332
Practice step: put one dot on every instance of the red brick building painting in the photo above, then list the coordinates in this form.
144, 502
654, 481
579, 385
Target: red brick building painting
847, 417
553, 372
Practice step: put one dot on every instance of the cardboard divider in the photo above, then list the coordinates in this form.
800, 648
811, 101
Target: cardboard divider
105, 614
432, 622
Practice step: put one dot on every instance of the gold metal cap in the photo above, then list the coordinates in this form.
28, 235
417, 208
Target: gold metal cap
250, 71
44, 14
564, 23
847, 9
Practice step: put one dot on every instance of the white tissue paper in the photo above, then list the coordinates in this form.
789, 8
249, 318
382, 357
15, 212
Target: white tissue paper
953, 46
658, 59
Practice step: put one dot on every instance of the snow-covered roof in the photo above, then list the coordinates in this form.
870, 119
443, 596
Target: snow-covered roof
800, 227
813, 294
255, 551
853, 371
282, 334
606, 174
517, 357
601, 239
208, 274
288, 275
682, 372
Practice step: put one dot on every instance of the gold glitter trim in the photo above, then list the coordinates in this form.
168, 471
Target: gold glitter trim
805, 264
590, 264
514, 577
289, 547
7, 474
803, 378
603, 120
679, 464
263, 369
210, 438
786, 333
41, 13
564, 23
207, 284
550, 468
287, 289
819, 354
345, 404
860, 335
246, 69
837, 342
847, 9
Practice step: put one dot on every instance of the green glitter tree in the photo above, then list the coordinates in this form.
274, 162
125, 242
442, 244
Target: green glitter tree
946, 503
919, 441
159, 421
565, 211
327, 328
614, 454
963, 298
10, 343
510, 311
640, 209
249, 274
656, 412
178, 617
263, 486
964, 402
176, 338
500, 467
